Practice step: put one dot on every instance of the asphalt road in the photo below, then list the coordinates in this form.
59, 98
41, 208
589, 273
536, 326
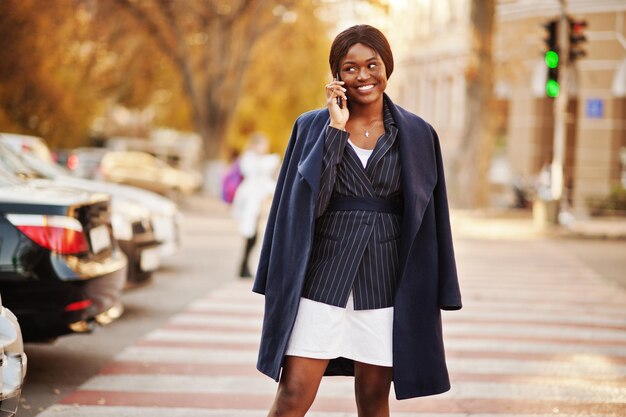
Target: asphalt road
207, 261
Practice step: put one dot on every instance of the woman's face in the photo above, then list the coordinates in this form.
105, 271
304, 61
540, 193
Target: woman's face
363, 72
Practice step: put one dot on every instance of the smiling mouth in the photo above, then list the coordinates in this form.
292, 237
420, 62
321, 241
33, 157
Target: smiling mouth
365, 87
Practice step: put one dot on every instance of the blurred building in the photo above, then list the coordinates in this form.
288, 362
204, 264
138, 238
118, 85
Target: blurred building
431, 41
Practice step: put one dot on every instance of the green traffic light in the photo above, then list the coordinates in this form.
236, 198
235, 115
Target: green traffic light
552, 88
552, 59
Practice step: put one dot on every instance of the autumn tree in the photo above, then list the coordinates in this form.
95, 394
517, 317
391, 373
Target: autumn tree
60, 69
131, 72
287, 77
41, 84
209, 42
224, 69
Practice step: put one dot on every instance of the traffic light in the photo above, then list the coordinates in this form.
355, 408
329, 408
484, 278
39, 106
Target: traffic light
552, 58
576, 38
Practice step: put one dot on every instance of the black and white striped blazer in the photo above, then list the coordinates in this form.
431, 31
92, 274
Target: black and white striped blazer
356, 250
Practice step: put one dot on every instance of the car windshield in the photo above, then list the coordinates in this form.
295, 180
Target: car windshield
27, 143
11, 162
44, 169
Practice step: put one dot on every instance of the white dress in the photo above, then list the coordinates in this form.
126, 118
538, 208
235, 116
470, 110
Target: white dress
324, 331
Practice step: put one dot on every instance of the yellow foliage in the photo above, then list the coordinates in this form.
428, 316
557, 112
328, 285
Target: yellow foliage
286, 78
64, 64
42, 91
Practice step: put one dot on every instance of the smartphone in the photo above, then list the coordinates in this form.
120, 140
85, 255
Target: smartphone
339, 101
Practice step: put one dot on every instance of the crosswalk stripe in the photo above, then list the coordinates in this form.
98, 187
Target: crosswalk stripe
553, 331
144, 368
117, 411
583, 331
221, 305
183, 355
253, 401
198, 336
456, 342
344, 387
163, 354
494, 306
238, 322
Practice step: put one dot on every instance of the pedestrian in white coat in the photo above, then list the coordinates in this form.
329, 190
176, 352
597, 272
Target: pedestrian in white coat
258, 168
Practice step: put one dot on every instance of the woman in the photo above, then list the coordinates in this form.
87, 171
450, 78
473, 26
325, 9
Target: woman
258, 169
357, 259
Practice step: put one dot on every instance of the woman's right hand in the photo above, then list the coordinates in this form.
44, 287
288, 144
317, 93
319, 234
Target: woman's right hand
338, 116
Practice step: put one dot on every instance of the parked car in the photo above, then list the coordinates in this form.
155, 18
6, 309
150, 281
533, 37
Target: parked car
146, 171
27, 143
61, 271
83, 162
165, 215
181, 150
14, 362
132, 223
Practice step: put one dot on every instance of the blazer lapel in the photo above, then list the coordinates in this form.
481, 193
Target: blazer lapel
355, 166
382, 147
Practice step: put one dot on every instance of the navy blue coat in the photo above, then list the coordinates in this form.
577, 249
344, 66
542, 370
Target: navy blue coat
428, 281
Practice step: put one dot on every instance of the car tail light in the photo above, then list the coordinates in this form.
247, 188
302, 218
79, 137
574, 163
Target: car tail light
59, 234
79, 305
72, 162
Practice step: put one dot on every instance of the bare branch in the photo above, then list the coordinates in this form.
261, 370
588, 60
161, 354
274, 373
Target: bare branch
210, 6
183, 60
152, 28
243, 7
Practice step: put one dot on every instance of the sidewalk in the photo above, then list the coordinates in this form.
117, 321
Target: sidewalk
540, 335
612, 228
512, 224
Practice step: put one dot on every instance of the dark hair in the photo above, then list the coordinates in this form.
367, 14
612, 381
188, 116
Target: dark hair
365, 34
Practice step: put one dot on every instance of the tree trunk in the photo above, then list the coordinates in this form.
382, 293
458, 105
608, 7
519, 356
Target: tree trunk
212, 147
470, 182
215, 124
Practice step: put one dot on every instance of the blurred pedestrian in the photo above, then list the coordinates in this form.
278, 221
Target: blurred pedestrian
258, 169
357, 259
231, 179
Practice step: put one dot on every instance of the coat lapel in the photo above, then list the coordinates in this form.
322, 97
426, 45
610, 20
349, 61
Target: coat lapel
419, 173
310, 166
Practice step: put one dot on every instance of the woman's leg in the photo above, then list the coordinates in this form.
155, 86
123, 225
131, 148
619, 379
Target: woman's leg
371, 387
298, 386
244, 271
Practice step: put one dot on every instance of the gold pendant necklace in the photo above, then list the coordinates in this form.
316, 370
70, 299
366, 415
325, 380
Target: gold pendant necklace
367, 131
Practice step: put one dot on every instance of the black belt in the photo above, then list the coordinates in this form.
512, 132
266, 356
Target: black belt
364, 203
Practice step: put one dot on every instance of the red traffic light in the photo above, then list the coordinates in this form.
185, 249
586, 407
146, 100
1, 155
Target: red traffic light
576, 38
578, 26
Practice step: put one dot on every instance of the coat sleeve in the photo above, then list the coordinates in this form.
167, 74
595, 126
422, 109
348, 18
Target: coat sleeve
449, 292
262, 269
334, 144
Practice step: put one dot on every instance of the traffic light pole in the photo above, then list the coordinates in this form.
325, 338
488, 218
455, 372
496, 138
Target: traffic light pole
560, 111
